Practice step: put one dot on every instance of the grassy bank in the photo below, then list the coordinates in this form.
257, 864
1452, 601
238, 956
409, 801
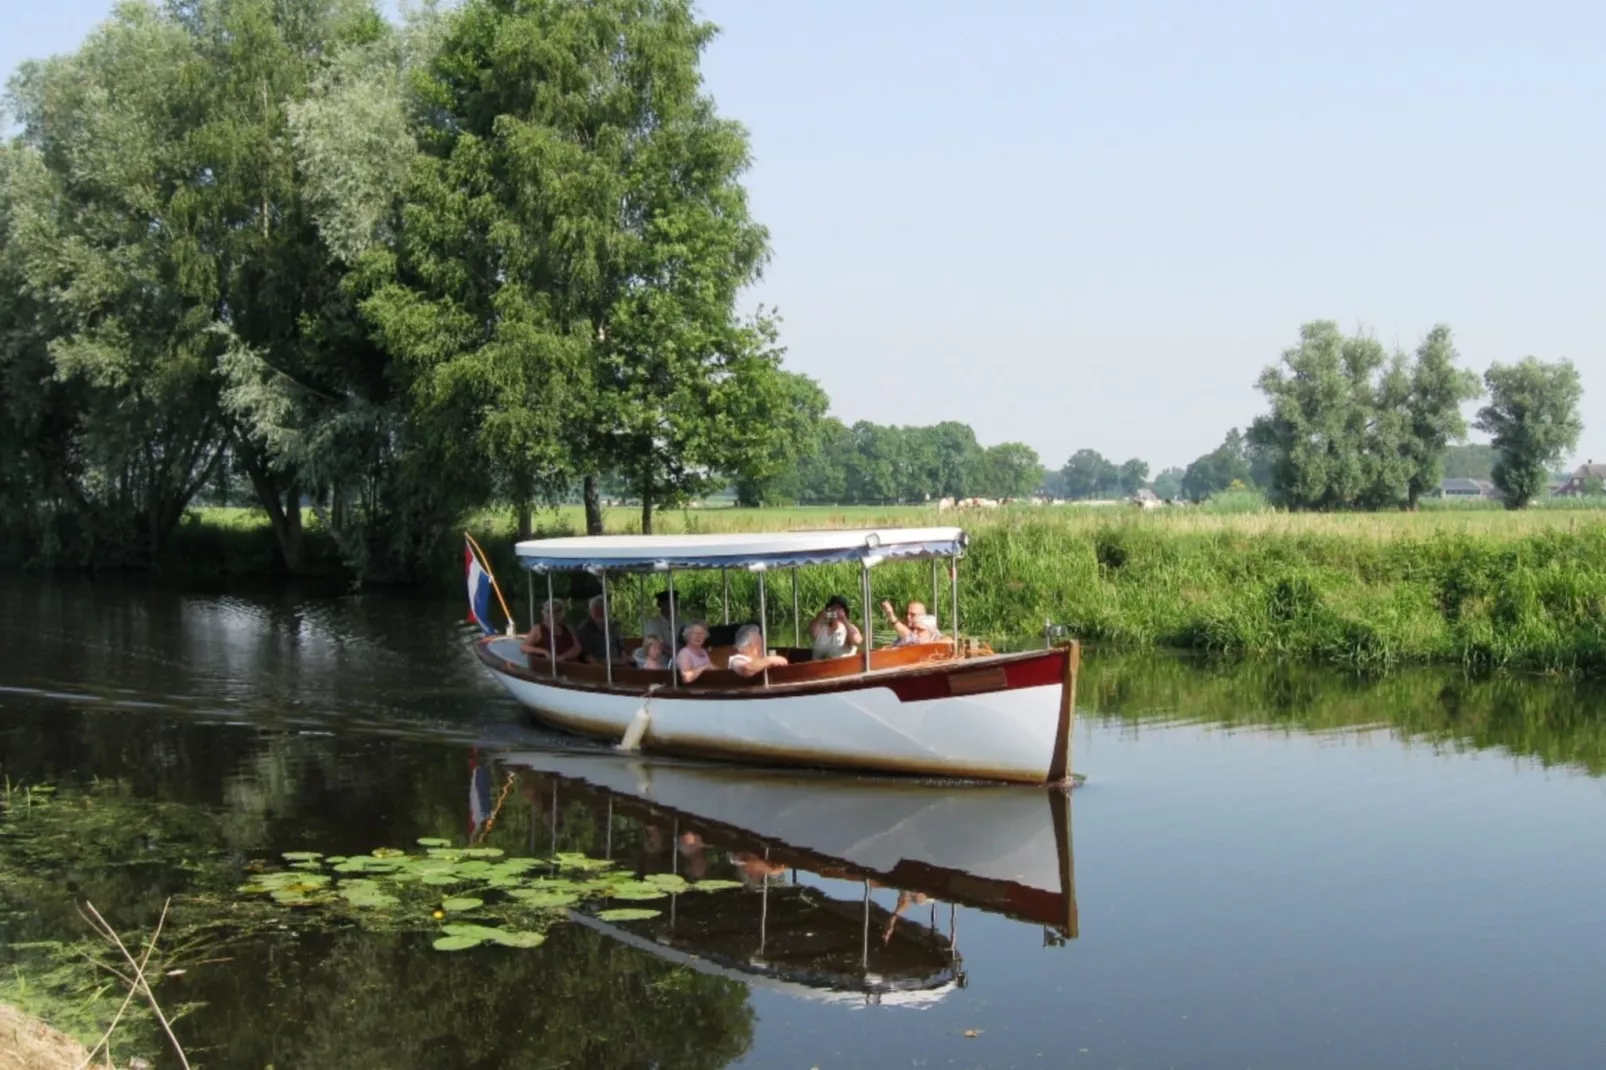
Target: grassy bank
1477, 587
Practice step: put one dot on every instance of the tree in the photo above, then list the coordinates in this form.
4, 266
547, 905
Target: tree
1009, 470
1532, 420
1217, 470
1168, 484
1351, 427
1437, 391
1472, 461
791, 407
600, 191
1088, 473
105, 239
1133, 476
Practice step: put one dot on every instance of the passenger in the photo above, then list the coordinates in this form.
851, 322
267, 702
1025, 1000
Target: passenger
650, 655
832, 633
692, 659
750, 659
917, 625
599, 644
550, 633
659, 626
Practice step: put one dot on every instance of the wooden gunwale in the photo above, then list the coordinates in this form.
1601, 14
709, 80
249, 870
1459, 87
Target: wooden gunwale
838, 674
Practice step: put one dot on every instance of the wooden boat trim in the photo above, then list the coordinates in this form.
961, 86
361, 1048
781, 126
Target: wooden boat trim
909, 671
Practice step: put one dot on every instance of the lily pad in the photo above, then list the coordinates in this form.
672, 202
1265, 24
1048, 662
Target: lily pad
669, 882
300, 856
433, 841
541, 898
570, 860
517, 938
457, 943
483, 852
440, 878
462, 903
628, 914
715, 886
387, 852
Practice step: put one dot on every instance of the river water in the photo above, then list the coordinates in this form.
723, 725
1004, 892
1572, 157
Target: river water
1264, 867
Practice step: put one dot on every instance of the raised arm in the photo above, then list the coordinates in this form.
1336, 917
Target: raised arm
903, 630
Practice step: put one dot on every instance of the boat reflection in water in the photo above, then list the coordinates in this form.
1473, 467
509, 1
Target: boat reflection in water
854, 888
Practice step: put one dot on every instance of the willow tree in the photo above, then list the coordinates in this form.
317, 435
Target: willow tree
102, 240
1532, 420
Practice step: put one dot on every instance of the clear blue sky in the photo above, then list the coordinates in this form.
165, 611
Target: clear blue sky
1091, 225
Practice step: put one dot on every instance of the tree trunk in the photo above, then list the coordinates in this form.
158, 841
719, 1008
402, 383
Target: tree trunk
526, 521
646, 508
285, 518
593, 506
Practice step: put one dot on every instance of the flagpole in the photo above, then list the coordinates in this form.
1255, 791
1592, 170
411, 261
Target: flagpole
512, 629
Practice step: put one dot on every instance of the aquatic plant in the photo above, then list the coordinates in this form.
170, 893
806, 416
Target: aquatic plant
392, 888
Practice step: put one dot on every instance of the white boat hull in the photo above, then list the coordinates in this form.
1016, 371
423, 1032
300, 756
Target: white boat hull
1013, 734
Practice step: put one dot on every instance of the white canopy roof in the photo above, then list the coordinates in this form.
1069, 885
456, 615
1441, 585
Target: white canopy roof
756, 551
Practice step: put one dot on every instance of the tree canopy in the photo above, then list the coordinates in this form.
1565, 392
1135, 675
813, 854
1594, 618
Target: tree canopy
1351, 427
1532, 420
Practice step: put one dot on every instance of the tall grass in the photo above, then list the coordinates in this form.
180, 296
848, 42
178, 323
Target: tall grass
1475, 587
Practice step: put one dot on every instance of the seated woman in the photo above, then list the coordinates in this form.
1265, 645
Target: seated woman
549, 634
651, 655
692, 659
832, 633
750, 659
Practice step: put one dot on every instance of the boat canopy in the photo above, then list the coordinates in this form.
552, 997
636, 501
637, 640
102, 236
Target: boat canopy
756, 551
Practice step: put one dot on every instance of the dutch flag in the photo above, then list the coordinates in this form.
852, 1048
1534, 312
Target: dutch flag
479, 590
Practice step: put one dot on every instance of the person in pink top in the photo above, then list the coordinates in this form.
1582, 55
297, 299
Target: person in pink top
692, 659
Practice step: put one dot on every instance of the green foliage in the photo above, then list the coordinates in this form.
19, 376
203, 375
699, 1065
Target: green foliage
1351, 427
1168, 484
1532, 420
1087, 474
1471, 461
1217, 470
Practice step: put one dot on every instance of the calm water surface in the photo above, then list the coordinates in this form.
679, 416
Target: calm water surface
1264, 868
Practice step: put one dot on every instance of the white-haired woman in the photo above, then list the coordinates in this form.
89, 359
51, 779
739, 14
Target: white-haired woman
750, 659
692, 660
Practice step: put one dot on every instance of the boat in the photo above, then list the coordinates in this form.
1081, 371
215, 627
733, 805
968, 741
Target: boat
952, 708
856, 883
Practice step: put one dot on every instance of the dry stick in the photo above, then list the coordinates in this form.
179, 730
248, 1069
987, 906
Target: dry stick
105, 1039
143, 983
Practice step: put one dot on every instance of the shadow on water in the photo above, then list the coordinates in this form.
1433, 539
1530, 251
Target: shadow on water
190, 736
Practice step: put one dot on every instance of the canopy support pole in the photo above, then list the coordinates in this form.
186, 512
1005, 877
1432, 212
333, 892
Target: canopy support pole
529, 585
641, 591
764, 625
607, 640
674, 635
725, 599
864, 953
869, 626
936, 603
953, 572
797, 619
551, 628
